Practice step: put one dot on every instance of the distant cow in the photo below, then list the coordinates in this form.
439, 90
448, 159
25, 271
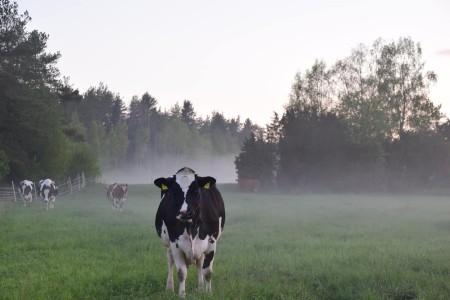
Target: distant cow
48, 191
26, 191
249, 185
189, 221
117, 194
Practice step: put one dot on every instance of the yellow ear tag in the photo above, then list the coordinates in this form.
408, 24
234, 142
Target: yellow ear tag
164, 187
206, 186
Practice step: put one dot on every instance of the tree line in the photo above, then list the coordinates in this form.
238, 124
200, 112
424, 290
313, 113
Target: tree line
364, 124
49, 129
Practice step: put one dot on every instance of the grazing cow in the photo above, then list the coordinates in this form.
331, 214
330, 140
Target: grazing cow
26, 191
117, 194
48, 191
249, 185
189, 221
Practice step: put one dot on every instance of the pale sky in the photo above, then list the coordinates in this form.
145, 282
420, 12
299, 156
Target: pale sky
234, 57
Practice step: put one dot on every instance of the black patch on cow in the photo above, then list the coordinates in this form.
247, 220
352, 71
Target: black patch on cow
176, 245
27, 190
212, 209
208, 258
169, 207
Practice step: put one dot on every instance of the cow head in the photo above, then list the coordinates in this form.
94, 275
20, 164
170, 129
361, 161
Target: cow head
183, 192
25, 187
47, 189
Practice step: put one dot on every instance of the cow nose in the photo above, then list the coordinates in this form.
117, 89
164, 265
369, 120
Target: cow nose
185, 214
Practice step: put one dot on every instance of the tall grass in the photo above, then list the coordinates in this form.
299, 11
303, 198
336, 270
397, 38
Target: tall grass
273, 247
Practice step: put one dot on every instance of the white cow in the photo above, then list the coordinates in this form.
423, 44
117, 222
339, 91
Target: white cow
26, 192
189, 221
117, 194
48, 191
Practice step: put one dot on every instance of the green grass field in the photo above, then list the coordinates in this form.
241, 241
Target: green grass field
273, 247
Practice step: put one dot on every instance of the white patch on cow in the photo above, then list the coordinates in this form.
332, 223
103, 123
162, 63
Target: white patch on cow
184, 207
220, 228
200, 246
26, 183
46, 191
184, 178
184, 243
165, 235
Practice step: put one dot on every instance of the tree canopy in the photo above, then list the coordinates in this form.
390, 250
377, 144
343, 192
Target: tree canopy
366, 123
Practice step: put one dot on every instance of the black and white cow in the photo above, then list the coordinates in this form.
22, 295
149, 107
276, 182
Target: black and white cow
48, 191
26, 191
117, 194
189, 221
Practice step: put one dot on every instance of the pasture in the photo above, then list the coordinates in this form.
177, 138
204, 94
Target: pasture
273, 247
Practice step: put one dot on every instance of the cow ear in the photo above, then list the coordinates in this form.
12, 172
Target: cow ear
162, 183
206, 182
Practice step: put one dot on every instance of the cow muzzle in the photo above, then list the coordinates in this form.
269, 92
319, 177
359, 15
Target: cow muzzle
185, 216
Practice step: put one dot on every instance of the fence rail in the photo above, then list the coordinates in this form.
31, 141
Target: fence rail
69, 187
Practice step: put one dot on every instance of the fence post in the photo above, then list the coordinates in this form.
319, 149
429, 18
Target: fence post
70, 185
14, 191
84, 179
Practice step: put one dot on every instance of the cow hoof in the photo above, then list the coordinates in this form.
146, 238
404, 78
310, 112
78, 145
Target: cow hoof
170, 289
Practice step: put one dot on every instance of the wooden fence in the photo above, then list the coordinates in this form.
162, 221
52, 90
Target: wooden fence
71, 186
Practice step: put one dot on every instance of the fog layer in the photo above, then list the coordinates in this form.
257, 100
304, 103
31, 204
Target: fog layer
220, 167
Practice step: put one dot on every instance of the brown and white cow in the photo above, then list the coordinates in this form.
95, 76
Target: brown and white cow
117, 194
26, 191
189, 221
249, 185
48, 191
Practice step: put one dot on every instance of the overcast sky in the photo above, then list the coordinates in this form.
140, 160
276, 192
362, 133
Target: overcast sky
234, 57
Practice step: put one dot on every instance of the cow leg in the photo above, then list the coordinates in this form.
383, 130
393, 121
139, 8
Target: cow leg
207, 267
182, 274
180, 263
169, 284
52, 202
199, 264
